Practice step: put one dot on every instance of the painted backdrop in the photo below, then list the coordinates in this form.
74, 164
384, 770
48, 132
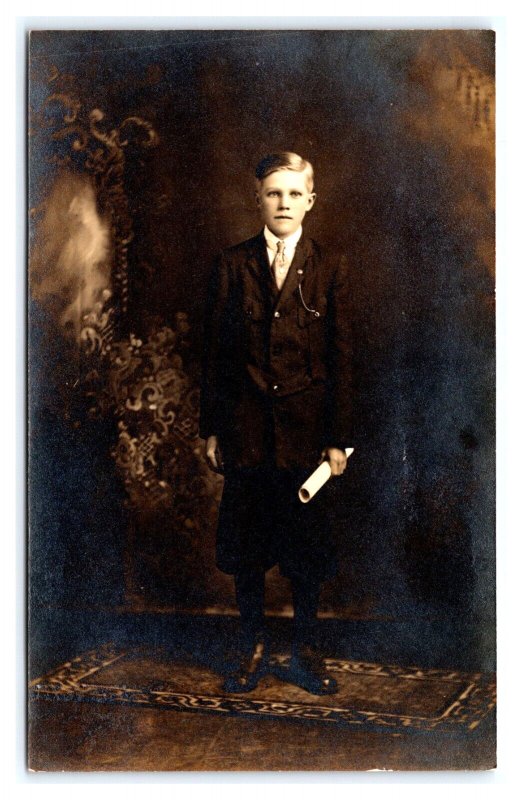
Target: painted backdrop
141, 151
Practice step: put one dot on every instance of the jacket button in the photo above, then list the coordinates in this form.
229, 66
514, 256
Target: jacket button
275, 387
277, 314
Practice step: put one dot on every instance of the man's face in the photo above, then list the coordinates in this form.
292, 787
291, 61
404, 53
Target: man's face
283, 200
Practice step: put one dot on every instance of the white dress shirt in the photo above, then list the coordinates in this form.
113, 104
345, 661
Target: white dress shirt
290, 245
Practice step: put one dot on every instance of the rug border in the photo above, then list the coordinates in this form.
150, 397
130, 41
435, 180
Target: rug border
464, 713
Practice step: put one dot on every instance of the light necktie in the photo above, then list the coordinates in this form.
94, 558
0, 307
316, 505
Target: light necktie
280, 265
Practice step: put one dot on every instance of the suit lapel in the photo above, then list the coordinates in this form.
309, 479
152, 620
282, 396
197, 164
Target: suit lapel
259, 266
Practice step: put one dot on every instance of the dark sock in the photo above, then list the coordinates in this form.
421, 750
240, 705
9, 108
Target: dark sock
250, 597
306, 603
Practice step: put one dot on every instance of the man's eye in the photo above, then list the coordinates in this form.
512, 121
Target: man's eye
296, 194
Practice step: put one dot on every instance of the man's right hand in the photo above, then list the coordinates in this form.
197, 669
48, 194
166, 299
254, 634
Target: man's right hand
213, 454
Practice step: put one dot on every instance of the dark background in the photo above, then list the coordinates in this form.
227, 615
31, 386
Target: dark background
398, 126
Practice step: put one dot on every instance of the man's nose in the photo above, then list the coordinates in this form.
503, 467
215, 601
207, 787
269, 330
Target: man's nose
284, 202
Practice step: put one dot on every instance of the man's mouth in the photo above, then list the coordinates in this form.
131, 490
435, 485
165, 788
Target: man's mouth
283, 217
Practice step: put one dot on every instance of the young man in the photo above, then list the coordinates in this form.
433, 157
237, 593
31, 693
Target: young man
276, 399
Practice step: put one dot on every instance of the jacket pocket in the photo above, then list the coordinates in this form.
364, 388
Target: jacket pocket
315, 313
256, 312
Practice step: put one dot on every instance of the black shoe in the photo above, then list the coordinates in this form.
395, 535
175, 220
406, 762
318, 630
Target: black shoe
252, 666
308, 671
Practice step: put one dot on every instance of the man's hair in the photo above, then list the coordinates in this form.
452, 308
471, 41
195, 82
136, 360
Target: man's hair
286, 160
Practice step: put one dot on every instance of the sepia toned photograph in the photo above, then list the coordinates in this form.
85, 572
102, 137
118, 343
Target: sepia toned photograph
261, 400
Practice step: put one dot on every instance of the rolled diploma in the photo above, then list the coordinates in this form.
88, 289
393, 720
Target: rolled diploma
318, 479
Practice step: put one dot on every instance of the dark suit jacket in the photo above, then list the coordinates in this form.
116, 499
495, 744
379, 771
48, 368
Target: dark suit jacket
276, 383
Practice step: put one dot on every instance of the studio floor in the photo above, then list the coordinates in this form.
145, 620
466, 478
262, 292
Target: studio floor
124, 694
86, 737
143, 693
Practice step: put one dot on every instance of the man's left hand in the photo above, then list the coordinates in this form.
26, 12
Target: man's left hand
337, 460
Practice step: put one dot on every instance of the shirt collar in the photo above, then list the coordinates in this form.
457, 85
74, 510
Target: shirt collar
290, 241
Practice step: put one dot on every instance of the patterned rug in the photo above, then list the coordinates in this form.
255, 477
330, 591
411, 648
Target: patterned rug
371, 696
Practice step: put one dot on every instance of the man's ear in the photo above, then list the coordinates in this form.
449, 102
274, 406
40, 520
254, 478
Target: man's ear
311, 200
258, 199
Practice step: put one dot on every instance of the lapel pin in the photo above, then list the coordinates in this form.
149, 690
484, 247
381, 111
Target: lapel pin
300, 272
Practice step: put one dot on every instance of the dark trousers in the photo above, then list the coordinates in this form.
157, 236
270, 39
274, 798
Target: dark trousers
250, 596
262, 522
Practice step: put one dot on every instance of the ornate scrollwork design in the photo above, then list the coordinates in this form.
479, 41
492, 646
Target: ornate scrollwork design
156, 403
142, 382
97, 329
102, 152
475, 92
